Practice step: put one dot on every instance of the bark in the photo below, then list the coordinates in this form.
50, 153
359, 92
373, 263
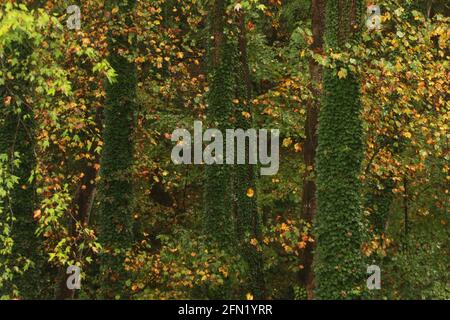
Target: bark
247, 215
309, 206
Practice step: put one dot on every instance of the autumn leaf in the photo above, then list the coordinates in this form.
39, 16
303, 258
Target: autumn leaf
342, 74
246, 114
7, 100
139, 59
37, 214
287, 142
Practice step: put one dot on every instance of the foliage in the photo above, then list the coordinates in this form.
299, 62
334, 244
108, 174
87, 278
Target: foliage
96, 108
339, 223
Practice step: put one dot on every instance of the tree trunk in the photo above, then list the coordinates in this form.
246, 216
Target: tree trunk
339, 268
248, 219
309, 206
16, 137
217, 214
82, 208
115, 189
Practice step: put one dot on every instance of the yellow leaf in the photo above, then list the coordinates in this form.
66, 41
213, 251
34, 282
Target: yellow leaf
223, 271
250, 192
139, 60
336, 56
246, 114
342, 74
249, 296
287, 142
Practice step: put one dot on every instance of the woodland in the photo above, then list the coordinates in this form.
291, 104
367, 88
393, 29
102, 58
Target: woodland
91, 92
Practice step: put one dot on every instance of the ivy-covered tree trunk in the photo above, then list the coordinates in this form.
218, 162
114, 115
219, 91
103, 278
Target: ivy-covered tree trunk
248, 219
115, 188
16, 138
218, 219
338, 265
309, 205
